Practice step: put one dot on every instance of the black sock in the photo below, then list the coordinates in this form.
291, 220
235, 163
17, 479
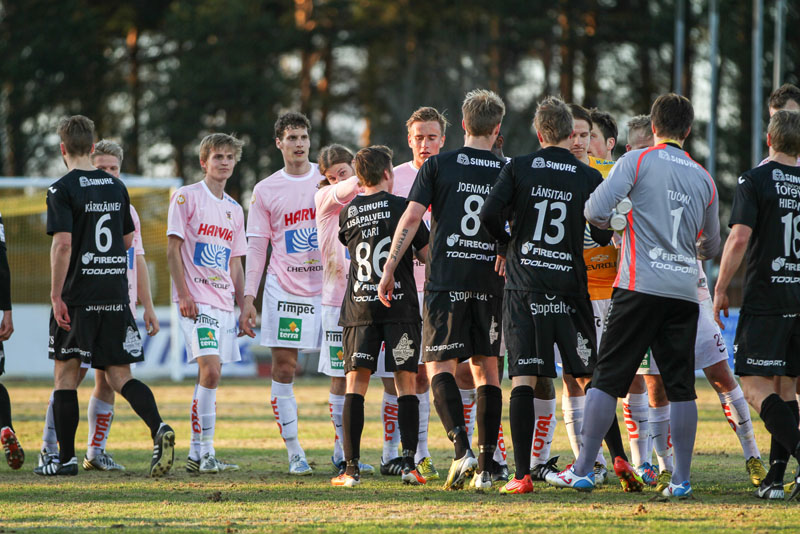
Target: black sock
613, 441
487, 418
408, 420
447, 400
522, 416
352, 427
66, 415
780, 420
778, 455
143, 403
5, 408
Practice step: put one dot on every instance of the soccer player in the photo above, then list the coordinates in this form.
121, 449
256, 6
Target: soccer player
206, 242
282, 212
366, 228
336, 190
463, 292
88, 215
15, 456
640, 133
546, 300
654, 303
763, 215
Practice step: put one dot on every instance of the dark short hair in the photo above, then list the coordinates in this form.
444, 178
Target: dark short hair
783, 94
784, 132
606, 123
581, 113
672, 116
553, 120
370, 163
292, 119
77, 134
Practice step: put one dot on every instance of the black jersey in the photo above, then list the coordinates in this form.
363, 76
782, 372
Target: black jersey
366, 227
95, 208
5, 272
546, 192
462, 253
767, 199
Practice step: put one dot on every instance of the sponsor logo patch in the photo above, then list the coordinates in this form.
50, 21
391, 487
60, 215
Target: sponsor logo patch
538, 163
212, 256
584, 352
403, 351
301, 240
462, 159
206, 338
337, 357
289, 329
133, 342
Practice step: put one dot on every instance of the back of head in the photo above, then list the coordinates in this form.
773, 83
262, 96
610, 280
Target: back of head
218, 141
370, 162
427, 114
104, 147
482, 110
672, 116
580, 113
640, 131
553, 120
784, 132
606, 123
77, 135
783, 95
290, 120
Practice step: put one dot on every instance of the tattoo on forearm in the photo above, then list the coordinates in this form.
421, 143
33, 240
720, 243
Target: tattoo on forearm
399, 247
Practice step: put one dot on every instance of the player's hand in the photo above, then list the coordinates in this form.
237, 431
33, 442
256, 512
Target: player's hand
247, 320
151, 322
6, 326
386, 288
187, 307
720, 303
60, 313
500, 265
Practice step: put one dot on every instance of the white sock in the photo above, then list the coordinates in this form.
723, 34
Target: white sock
197, 430
391, 428
49, 439
207, 411
635, 409
284, 406
469, 399
500, 449
659, 429
336, 407
543, 430
573, 420
424, 416
100, 415
738, 415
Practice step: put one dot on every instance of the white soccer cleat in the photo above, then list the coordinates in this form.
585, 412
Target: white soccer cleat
569, 479
298, 466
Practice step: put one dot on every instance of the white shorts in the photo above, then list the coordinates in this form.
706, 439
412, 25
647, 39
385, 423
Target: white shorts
290, 321
600, 312
212, 332
709, 346
331, 356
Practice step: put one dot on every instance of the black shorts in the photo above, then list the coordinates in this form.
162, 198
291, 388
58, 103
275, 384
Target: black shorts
637, 321
460, 324
534, 322
2, 359
101, 335
362, 346
767, 345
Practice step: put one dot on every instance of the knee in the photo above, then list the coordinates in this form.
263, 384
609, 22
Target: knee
283, 370
209, 377
422, 380
571, 387
544, 389
338, 385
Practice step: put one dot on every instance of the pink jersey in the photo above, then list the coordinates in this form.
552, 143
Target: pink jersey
136, 250
282, 211
329, 201
212, 230
404, 176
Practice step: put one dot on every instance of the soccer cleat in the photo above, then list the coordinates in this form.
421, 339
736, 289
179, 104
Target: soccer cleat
482, 480
412, 477
163, 451
58, 469
772, 491
459, 471
192, 465
756, 470
225, 466
568, 479
427, 470
102, 462
345, 481
540, 471
796, 489
15, 456
787, 488
499, 472
628, 477
600, 474
392, 468
46, 458
298, 466
515, 486
208, 465
678, 491
647, 474
366, 469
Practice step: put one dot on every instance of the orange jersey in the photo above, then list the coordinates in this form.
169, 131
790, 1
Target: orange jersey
601, 262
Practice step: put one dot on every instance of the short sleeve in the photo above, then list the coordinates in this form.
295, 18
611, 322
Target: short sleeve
180, 212
745, 203
59, 209
128, 227
422, 189
239, 241
138, 248
258, 217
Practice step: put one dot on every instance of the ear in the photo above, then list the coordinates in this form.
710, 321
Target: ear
91, 151
539, 137
610, 144
64, 149
410, 144
769, 140
687, 133
496, 131
278, 143
653, 127
463, 125
627, 148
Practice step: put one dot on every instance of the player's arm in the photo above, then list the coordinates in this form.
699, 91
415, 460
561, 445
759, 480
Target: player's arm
606, 196
145, 296
600, 236
186, 303
256, 261
237, 276
422, 254
127, 240
405, 232
735, 248
709, 243
7, 324
60, 252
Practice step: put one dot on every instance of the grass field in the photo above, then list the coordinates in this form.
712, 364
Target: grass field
262, 497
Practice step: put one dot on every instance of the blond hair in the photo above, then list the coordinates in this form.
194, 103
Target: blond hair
217, 141
482, 110
553, 120
427, 114
104, 147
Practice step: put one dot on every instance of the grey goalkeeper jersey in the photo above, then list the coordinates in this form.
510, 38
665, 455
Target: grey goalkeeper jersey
675, 215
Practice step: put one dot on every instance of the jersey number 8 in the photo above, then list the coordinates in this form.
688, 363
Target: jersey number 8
363, 252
